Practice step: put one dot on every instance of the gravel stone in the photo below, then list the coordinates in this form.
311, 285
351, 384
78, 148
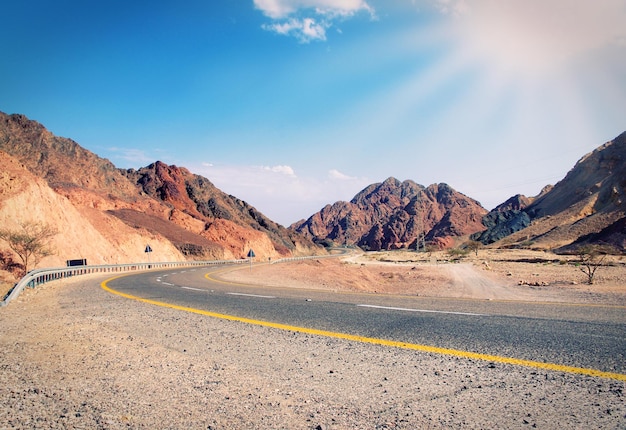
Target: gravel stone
75, 356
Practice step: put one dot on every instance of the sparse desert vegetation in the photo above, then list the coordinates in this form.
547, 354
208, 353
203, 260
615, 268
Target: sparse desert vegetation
505, 274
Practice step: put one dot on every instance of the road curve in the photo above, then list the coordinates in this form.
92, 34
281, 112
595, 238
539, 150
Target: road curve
572, 338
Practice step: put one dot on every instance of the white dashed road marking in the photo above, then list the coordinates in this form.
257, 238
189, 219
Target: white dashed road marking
252, 295
423, 310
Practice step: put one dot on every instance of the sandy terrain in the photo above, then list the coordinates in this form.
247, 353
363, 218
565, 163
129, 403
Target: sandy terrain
493, 274
75, 356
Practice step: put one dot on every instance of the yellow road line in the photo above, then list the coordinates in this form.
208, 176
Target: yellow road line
376, 341
223, 281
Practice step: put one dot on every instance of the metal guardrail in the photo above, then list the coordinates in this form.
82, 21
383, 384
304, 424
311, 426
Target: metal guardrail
41, 276
342, 253
288, 259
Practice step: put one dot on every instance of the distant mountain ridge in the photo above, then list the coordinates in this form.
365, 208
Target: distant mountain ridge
108, 215
392, 214
587, 207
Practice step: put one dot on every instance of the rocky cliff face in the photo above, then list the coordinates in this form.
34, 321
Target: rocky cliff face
504, 220
587, 206
598, 180
392, 214
108, 215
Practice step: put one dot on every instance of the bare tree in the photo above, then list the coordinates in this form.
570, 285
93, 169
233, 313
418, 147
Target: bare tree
591, 257
31, 242
474, 245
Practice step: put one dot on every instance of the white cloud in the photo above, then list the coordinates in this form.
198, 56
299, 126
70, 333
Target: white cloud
129, 156
305, 29
308, 20
277, 9
278, 192
336, 174
454, 7
285, 170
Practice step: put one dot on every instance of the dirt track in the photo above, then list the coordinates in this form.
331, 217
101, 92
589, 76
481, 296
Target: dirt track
477, 285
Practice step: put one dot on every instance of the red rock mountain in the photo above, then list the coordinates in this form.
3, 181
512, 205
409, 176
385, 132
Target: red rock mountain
392, 214
197, 197
122, 210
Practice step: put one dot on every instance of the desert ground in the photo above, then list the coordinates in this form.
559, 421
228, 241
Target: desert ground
74, 356
491, 274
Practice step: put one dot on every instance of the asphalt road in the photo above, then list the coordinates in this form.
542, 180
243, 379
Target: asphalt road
592, 337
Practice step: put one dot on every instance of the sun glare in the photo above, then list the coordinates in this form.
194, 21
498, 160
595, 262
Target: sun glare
534, 38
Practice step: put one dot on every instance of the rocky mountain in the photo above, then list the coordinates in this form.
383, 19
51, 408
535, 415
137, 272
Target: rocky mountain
197, 197
61, 162
587, 206
393, 214
83, 232
108, 215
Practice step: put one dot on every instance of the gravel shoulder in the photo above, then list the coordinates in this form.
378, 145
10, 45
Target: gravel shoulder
74, 356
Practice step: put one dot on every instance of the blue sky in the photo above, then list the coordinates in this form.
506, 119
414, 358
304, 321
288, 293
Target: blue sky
295, 104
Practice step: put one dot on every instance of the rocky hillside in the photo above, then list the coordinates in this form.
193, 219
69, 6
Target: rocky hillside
196, 196
587, 207
505, 219
108, 215
393, 214
61, 162
83, 232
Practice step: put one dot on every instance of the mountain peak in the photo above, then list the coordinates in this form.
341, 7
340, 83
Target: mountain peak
391, 215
